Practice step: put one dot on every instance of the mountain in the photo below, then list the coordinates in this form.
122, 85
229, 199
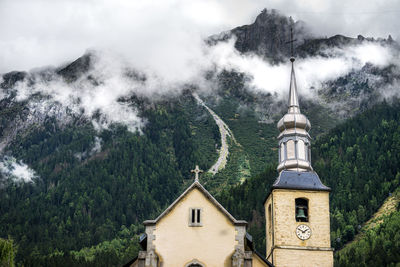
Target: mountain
76, 185
267, 36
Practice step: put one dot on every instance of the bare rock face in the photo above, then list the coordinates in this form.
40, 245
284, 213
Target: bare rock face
74, 70
267, 36
10, 79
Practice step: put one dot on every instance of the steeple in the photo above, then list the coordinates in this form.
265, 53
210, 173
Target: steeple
294, 140
293, 102
297, 208
293, 98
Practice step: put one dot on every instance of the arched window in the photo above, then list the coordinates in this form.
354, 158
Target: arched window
301, 150
269, 219
290, 150
282, 152
301, 210
195, 263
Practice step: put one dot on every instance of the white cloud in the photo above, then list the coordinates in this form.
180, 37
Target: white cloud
161, 35
17, 171
109, 70
94, 150
369, 18
97, 145
87, 98
310, 71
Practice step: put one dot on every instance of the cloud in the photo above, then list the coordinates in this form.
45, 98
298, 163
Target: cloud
162, 35
163, 40
17, 171
369, 18
94, 150
100, 101
310, 72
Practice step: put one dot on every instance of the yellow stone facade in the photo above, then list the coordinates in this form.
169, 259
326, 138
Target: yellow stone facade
193, 242
303, 258
283, 247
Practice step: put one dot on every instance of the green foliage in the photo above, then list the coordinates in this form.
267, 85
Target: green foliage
84, 197
359, 160
258, 140
379, 246
7, 252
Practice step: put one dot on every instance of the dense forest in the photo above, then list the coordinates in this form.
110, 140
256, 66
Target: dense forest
98, 199
379, 246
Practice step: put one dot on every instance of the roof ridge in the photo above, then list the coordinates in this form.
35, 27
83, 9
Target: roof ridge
207, 195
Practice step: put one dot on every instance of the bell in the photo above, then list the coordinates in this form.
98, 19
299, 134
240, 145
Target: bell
300, 214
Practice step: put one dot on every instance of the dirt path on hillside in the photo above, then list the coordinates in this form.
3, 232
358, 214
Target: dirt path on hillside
224, 132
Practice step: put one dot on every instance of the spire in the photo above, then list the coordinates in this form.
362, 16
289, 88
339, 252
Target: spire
293, 102
294, 140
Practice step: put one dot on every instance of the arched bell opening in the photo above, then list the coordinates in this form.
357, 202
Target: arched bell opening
301, 210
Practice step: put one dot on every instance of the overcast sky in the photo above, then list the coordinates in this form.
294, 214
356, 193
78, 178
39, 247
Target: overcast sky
35, 33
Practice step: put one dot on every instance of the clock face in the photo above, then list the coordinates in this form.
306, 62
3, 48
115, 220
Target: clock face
303, 232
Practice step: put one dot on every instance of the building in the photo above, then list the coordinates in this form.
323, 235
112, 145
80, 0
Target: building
197, 231
297, 208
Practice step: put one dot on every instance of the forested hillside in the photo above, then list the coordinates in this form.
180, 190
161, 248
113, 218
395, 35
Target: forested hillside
85, 195
378, 242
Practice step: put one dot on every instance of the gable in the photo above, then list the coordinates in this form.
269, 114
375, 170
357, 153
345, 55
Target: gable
195, 199
196, 186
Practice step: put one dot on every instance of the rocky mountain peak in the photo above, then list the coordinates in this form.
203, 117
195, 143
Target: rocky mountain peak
266, 18
267, 36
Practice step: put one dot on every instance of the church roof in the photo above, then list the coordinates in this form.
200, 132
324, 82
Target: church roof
196, 184
130, 262
299, 180
249, 242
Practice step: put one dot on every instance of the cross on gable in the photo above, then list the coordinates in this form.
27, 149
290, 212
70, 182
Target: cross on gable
291, 41
196, 171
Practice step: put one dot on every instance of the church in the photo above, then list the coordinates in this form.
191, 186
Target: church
197, 231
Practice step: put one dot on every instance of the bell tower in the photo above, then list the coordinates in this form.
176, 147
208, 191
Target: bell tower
297, 208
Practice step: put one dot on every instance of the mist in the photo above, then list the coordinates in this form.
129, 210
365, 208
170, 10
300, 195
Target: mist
152, 34
15, 170
164, 41
100, 101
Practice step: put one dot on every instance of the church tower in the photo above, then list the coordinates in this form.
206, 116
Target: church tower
297, 208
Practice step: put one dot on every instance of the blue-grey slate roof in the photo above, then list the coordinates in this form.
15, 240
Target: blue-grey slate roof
299, 180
